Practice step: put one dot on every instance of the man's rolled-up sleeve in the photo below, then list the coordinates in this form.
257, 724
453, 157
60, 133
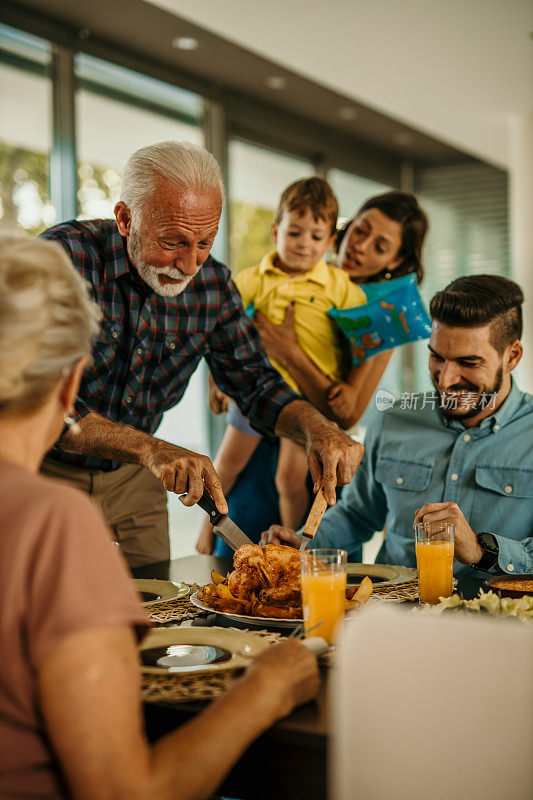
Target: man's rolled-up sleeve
241, 368
514, 558
362, 508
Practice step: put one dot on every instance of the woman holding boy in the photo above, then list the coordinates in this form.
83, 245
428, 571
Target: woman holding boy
384, 239
294, 275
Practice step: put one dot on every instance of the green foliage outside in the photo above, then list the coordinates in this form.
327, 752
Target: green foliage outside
25, 194
24, 171
250, 236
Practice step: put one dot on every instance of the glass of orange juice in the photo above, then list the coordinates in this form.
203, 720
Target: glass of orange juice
434, 560
323, 590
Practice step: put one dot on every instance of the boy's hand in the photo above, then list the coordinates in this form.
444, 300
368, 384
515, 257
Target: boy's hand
217, 400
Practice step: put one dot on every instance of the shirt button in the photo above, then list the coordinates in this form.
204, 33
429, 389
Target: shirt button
454, 476
496, 428
128, 399
466, 437
139, 351
172, 345
399, 480
510, 568
114, 334
508, 489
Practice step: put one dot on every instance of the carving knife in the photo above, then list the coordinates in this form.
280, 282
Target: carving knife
222, 524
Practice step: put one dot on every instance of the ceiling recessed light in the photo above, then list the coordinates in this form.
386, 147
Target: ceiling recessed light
185, 43
402, 138
347, 113
276, 82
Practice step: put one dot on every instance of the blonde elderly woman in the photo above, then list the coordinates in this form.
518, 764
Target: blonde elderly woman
70, 719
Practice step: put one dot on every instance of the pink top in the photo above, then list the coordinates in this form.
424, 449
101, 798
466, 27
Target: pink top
58, 575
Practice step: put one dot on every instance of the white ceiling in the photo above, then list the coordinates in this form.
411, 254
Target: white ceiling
456, 69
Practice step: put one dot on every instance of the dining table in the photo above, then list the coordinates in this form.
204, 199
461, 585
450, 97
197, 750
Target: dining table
289, 759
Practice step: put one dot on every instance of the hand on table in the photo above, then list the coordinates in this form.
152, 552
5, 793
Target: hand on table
278, 534
286, 673
184, 472
277, 339
466, 547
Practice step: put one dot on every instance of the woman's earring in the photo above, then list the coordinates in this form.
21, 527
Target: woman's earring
73, 426
387, 276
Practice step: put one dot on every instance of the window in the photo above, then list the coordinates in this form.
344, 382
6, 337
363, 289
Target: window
467, 207
117, 112
257, 177
25, 131
352, 191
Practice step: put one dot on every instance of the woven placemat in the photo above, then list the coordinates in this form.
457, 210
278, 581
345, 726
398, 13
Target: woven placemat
397, 593
174, 610
177, 688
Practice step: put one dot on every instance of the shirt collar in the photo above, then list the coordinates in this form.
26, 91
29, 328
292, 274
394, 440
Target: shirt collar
508, 408
116, 261
318, 274
501, 417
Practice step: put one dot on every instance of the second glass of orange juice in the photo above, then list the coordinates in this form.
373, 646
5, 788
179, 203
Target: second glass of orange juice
434, 560
323, 590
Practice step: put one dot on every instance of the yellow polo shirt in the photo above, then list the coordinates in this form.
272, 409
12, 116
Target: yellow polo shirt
313, 292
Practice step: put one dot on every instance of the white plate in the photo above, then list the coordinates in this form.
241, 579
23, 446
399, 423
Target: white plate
258, 622
242, 645
393, 573
165, 590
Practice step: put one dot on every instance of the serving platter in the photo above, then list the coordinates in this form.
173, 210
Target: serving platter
257, 622
192, 650
154, 591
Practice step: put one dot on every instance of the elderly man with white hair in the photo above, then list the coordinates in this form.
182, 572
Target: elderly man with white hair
166, 303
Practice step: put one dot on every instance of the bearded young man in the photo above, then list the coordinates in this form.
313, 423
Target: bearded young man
463, 455
165, 305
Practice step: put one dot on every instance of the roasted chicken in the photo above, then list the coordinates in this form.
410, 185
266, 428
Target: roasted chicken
265, 582
271, 572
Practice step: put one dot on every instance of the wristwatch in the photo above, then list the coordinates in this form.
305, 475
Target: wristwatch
489, 544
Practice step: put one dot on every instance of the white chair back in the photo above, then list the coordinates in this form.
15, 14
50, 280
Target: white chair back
432, 708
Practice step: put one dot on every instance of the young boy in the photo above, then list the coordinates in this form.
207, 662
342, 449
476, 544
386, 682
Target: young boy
294, 274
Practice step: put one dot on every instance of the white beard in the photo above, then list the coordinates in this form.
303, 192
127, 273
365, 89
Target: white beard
150, 274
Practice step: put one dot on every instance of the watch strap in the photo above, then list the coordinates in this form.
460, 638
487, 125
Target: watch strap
489, 545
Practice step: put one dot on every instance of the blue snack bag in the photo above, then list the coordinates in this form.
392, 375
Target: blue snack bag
394, 314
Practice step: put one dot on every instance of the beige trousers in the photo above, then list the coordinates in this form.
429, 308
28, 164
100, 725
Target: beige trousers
133, 502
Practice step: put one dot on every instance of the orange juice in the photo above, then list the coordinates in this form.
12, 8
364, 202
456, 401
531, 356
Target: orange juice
434, 562
323, 596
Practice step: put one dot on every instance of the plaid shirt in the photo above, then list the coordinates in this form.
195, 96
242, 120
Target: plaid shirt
150, 345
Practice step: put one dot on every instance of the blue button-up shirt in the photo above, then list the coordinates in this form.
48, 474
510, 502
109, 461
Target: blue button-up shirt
150, 345
415, 456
